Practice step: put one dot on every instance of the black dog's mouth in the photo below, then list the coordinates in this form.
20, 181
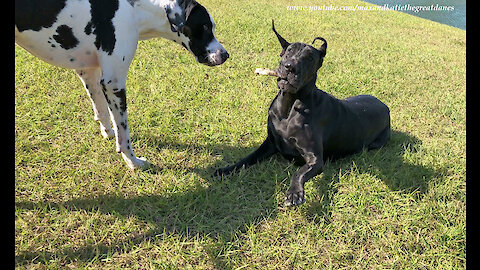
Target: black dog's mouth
284, 85
282, 80
282, 75
287, 82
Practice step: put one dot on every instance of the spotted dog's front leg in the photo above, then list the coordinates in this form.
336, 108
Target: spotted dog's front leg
114, 90
114, 61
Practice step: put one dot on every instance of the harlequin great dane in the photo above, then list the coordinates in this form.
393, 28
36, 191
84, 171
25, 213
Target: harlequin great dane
307, 125
98, 39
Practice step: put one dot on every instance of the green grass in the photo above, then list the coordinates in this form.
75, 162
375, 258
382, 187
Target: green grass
401, 207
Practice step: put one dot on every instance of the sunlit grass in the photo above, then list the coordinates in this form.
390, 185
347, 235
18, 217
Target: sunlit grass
401, 207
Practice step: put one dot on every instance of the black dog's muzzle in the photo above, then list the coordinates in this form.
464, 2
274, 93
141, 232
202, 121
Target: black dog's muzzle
288, 79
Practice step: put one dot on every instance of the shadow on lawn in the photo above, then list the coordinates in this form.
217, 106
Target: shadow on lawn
387, 164
224, 208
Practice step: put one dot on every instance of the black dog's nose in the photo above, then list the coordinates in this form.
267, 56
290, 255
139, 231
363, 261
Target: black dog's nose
288, 66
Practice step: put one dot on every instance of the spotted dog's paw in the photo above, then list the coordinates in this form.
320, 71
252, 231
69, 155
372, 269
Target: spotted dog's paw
107, 133
136, 162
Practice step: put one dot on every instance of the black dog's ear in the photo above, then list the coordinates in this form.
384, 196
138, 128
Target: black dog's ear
323, 49
282, 41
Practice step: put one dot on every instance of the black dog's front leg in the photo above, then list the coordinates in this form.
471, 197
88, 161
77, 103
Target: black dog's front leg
265, 150
313, 166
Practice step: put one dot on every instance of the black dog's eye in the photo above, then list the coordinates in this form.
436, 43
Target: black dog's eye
205, 27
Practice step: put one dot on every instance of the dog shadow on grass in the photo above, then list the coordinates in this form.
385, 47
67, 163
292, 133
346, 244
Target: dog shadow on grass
392, 164
221, 209
210, 210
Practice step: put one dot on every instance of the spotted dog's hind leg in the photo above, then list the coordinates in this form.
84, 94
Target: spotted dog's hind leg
91, 81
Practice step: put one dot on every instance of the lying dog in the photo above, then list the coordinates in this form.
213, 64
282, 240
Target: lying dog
307, 125
98, 39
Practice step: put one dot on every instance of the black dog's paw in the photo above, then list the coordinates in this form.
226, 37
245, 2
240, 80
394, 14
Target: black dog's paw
221, 173
295, 197
218, 174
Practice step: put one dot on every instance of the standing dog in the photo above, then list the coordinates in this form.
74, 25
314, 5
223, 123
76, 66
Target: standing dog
308, 125
98, 39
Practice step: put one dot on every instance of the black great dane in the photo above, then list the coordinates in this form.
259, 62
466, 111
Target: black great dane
307, 125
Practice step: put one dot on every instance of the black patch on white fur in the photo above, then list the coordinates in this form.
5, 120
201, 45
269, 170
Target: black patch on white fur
178, 20
65, 37
37, 14
104, 90
88, 28
102, 12
122, 95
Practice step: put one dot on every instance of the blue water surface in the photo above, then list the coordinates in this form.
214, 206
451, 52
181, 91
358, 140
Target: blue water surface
455, 17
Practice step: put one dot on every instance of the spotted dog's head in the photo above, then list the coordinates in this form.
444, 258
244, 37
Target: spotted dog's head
192, 20
299, 64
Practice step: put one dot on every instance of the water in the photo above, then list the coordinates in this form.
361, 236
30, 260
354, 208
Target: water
456, 17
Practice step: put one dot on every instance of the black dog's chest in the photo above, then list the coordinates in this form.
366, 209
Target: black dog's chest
284, 129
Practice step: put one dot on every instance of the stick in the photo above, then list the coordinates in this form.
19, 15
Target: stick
266, 71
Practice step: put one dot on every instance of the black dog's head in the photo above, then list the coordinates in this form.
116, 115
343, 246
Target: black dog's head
197, 26
299, 64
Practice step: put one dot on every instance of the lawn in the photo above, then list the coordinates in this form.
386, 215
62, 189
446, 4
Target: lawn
77, 205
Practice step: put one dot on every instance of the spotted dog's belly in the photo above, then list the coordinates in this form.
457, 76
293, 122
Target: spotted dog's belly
62, 36
80, 57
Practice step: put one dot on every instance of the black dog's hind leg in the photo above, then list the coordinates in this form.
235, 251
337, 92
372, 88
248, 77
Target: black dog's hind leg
266, 149
313, 166
381, 139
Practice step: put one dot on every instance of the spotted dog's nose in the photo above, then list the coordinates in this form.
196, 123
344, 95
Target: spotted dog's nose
224, 56
218, 57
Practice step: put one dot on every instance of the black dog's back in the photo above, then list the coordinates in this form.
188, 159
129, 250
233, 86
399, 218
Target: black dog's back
373, 113
362, 122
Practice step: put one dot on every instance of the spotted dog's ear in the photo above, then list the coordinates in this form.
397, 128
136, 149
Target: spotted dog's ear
178, 14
